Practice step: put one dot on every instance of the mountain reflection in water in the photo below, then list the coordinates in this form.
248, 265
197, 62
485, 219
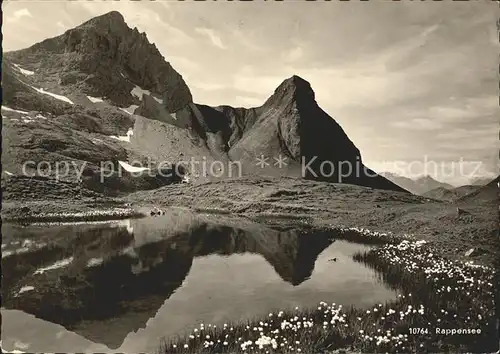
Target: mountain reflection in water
113, 278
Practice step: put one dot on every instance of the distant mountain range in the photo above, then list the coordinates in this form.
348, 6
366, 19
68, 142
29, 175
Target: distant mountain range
429, 187
101, 93
417, 186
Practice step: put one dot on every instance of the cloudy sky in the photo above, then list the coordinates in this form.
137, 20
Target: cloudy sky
409, 82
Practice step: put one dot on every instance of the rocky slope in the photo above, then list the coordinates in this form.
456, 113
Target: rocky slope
101, 93
81, 123
103, 57
486, 195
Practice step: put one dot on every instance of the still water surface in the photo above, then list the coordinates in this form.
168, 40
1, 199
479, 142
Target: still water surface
123, 286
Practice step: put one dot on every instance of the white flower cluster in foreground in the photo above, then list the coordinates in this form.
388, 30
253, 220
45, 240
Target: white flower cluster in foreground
386, 236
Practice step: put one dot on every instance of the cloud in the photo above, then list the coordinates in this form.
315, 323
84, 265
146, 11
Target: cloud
459, 134
244, 39
294, 54
256, 84
248, 102
215, 39
209, 86
361, 84
466, 109
469, 115
18, 15
183, 64
169, 34
418, 124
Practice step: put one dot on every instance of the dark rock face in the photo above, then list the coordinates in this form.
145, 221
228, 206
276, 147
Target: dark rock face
105, 58
307, 131
289, 124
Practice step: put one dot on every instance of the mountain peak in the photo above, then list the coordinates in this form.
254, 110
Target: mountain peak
112, 19
104, 57
293, 88
297, 80
426, 178
112, 15
297, 83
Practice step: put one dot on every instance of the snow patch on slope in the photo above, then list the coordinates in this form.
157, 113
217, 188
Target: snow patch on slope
59, 264
94, 262
55, 95
130, 109
24, 71
5, 108
139, 92
125, 137
15, 351
95, 99
130, 168
25, 289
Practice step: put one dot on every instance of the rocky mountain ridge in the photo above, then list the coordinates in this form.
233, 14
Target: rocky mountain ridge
102, 79
103, 57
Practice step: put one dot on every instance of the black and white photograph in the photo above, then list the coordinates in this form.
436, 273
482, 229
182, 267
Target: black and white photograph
264, 176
